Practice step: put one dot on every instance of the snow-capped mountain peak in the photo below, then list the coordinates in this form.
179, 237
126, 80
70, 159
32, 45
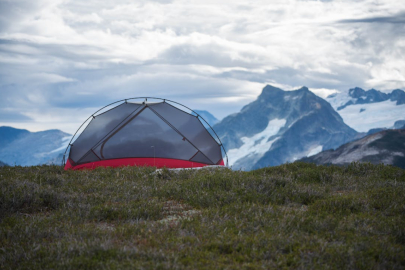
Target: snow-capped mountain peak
281, 126
366, 110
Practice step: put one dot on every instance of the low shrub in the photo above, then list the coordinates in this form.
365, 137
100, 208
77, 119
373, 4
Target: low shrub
291, 216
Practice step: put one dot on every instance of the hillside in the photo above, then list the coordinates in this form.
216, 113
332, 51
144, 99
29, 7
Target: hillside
299, 216
387, 146
281, 126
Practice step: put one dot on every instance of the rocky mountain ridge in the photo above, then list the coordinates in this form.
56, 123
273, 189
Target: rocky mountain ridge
369, 110
361, 96
281, 126
387, 146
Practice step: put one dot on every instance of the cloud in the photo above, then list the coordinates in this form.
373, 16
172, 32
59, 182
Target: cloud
64, 59
398, 18
11, 117
323, 92
49, 78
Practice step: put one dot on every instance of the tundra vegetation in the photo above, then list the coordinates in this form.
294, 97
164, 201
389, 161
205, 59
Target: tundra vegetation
291, 216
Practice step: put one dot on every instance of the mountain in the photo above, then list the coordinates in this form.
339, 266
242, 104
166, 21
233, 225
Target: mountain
208, 117
25, 148
386, 147
9, 134
281, 126
372, 109
359, 96
399, 124
2, 164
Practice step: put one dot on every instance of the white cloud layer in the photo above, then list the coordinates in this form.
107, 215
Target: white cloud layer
62, 58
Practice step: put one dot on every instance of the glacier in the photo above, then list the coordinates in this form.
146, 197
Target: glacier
258, 144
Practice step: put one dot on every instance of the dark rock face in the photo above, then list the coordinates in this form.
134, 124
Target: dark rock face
309, 121
357, 92
21, 147
372, 96
386, 147
399, 96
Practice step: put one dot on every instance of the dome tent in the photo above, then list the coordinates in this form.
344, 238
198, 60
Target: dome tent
158, 134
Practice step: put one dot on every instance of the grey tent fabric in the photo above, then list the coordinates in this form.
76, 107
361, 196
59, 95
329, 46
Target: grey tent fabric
150, 132
200, 158
192, 129
99, 127
90, 157
133, 130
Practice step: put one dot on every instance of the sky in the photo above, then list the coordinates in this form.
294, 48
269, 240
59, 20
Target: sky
61, 60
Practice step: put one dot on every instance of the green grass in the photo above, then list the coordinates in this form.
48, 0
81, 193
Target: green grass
291, 216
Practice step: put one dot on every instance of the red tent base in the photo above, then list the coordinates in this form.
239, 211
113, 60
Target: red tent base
140, 162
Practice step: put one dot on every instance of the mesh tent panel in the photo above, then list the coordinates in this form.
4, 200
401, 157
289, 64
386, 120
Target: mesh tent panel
200, 158
99, 127
146, 136
89, 157
208, 127
191, 128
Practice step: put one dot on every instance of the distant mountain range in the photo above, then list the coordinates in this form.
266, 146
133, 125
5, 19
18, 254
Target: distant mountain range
278, 127
386, 147
281, 126
2, 164
21, 147
372, 109
360, 96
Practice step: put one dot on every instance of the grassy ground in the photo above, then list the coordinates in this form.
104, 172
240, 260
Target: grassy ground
291, 216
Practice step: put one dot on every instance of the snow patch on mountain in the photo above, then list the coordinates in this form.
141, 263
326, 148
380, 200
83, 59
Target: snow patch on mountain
340, 99
65, 143
369, 110
374, 115
315, 150
258, 144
